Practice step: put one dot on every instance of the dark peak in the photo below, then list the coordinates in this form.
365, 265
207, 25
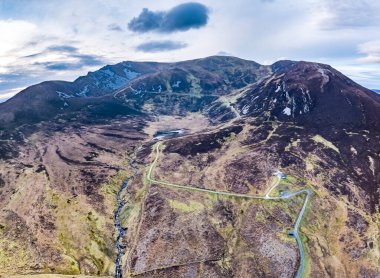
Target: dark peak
314, 94
282, 66
330, 79
126, 66
213, 63
289, 65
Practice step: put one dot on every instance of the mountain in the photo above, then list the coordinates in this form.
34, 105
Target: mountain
376, 91
84, 182
313, 94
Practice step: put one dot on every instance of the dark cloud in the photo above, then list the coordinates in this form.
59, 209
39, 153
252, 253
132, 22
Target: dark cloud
180, 18
114, 27
223, 53
71, 53
65, 49
33, 55
160, 46
21, 76
89, 60
80, 62
62, 48
146, 21
9, 81
61, 66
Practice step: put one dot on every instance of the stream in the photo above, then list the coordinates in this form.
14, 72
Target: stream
118, 225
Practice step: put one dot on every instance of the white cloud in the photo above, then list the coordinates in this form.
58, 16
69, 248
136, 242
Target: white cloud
371, 50
15, 33
368, 74
8, 94
348, 14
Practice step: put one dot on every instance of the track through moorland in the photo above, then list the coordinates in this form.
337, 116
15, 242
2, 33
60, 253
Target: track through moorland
284, 195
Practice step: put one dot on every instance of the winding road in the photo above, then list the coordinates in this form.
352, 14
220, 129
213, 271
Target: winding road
285, 195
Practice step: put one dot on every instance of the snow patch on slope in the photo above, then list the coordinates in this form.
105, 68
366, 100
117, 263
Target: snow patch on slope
278, 88
130, 74
372, 164
109, 80
83, 92
325, 77
245, 109
287, 111
63, 95
176, 84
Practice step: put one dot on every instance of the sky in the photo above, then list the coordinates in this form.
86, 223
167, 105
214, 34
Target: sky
61, 40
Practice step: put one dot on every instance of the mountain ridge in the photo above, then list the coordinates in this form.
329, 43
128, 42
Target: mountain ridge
215, 75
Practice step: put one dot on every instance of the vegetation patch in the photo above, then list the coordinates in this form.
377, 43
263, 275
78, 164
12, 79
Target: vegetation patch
192, 206
326, 143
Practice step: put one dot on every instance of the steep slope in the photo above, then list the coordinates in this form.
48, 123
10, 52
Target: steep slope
113, 77
194, 86
312, 94
326, 103
133, 83
59, 97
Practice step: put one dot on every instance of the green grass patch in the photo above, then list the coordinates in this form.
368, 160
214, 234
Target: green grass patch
326, 143
226, 232
307, 268
260, 216
192, 206
114, 184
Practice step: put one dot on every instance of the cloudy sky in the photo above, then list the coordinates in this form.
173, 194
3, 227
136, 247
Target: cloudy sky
44, 40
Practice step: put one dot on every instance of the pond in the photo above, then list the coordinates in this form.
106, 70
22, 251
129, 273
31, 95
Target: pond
159, 135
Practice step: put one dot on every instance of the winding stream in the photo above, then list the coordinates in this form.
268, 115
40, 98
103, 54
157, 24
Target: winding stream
118, 225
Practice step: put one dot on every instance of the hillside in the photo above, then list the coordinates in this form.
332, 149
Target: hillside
164, 169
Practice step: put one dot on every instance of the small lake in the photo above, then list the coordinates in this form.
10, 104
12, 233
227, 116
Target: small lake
167, 134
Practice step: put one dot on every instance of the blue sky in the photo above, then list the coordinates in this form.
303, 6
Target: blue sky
45, 40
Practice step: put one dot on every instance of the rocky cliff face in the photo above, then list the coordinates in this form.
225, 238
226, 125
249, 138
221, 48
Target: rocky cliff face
65, 148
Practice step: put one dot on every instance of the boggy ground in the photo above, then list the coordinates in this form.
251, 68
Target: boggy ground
57, 198
339, 230
189, 234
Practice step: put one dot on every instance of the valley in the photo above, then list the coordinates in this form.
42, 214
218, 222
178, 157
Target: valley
171, 174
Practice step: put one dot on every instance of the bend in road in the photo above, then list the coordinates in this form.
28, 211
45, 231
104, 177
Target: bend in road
267, 196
